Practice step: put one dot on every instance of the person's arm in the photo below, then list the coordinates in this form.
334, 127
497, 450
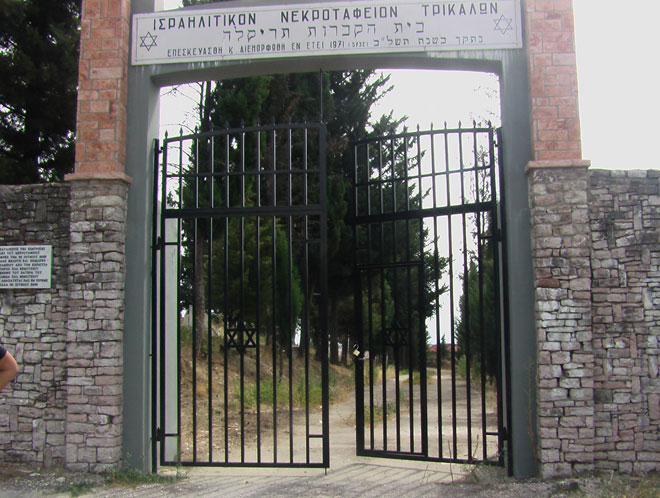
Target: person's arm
8, 369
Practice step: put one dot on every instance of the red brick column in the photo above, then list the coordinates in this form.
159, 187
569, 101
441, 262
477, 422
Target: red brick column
550, 44
102, 93
97, 274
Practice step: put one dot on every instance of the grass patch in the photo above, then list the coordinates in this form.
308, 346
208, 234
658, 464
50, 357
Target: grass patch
379, 413
625, 486
339, 383
124, 476
78, 488
130, 476
568, 489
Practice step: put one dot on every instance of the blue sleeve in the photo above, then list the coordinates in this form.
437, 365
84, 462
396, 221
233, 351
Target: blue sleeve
3, 352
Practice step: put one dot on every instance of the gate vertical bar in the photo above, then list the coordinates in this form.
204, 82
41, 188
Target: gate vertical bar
323, 187
154, 349
258, 334
466, 300
274, 330
225, 319
304, 333
161, 311
421, 327
209, 297
258, 250
226, 323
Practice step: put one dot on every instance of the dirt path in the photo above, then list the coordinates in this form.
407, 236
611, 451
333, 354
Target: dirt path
342, 420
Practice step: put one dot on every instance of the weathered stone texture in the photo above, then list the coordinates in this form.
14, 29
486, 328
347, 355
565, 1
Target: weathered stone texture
64, 407
625, 228
95, 325
561, 250
596, 253
33, 328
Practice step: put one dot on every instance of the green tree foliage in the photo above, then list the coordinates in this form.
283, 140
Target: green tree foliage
39, 63
402, 297
347, 98
477, 331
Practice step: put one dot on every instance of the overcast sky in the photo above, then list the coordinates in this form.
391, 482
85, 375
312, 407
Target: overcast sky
617, 76
617, 51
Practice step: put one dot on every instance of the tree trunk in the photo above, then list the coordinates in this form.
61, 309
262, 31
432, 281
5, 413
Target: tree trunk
344, 349
199, 294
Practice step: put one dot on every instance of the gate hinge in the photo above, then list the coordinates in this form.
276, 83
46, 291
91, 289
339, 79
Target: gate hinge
496, 235
160, 243
505, 434
160, 435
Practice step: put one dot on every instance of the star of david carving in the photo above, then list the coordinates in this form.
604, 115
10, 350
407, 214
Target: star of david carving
241, 337
147, 41
503, 24
396, 336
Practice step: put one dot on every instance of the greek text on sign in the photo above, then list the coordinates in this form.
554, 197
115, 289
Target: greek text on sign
25, 267
324, 29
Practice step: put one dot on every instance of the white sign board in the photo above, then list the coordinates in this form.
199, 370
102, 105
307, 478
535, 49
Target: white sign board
324, 29
25, 267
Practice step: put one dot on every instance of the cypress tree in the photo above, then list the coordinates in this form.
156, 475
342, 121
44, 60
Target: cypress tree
39, 63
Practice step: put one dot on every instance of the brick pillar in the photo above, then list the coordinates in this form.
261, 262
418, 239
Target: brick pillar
558, 189
553, 80
102, 90
99, 187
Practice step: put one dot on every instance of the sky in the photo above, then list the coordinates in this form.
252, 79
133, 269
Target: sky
616, 49
617, 53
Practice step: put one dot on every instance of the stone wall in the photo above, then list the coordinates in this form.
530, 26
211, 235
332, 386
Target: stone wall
65, 405
95, 326
596, 253
596, 250
624, 209
33, 326
562, 282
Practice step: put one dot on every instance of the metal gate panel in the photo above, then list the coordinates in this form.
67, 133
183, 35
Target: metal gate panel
240, 337
428, 311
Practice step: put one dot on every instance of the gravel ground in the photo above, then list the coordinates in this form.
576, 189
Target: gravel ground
355, 480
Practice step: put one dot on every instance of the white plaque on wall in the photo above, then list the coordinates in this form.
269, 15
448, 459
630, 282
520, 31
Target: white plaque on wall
307, 29
25, 267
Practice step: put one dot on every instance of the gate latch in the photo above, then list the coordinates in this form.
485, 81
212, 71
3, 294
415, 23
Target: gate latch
160, 244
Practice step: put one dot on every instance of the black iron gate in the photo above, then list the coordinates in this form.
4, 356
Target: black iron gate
240, 283
428, 313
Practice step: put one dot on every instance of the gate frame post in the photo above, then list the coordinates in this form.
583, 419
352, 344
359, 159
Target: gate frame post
142, 130
522, 105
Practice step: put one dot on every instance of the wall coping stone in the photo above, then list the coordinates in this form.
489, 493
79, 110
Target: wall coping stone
562, 163
98, 175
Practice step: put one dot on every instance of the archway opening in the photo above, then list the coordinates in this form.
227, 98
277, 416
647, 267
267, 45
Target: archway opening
429, 99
